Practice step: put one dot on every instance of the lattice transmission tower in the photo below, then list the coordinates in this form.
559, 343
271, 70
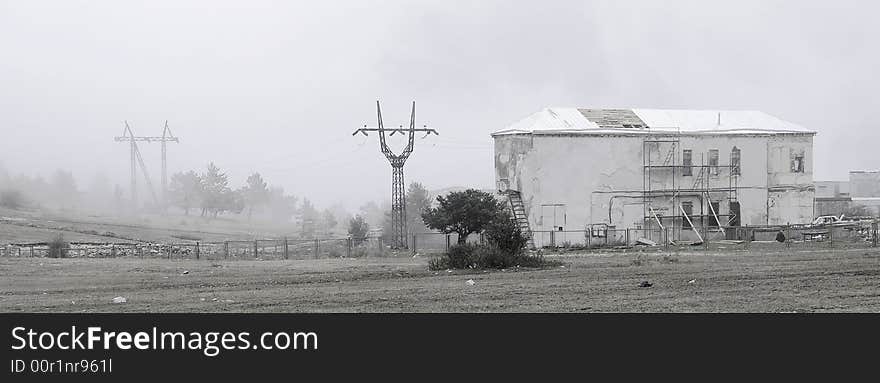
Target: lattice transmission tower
398, 191
136, 159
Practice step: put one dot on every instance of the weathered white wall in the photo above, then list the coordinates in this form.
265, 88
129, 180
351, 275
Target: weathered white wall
584, 172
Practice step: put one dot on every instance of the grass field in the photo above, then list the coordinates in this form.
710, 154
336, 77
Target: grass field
805, 281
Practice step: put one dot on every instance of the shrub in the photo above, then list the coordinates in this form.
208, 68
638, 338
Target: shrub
438, 263
358, 229
504, 233
468, 256
462, 256
58, 247
366, 251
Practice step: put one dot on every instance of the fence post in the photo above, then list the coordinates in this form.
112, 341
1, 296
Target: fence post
197, 250
589, 238
285, 248
32, 251
626, 237
874, 234
316, 248
831, 236
447, 243
666, 238
225, 249
414, 242
788, 236
348, 243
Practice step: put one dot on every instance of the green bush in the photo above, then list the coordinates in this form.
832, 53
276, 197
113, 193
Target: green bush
462, 256
467, 256
58, 247
438, 263
504, 233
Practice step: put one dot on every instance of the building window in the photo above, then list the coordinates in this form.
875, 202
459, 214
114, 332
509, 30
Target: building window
734, 161
797, 163
688, 208
687, 163
713, 161
713, 220
734, 213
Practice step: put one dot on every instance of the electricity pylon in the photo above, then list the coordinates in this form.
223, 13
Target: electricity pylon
398, 193
136, 159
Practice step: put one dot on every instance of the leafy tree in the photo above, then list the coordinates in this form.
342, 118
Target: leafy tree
64, 188
185, 190
255, 193
328, 219
371, 212
215, 189
417, 200
358, 229
463, 212
504, 233
282, 207
310, 217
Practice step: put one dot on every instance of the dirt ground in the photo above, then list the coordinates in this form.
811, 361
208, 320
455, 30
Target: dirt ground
806, 281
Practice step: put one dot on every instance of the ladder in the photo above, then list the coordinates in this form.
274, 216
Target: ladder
699, 179
518, 210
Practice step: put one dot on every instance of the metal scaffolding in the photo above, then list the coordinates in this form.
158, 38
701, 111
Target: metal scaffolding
667, 185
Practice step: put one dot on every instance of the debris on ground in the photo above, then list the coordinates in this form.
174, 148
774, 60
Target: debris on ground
646, 284
645, 241
692, 281
471, 282
228, 301
185, 272
120, 300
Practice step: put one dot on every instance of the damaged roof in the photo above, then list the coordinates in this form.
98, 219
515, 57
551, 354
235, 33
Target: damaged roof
651, 121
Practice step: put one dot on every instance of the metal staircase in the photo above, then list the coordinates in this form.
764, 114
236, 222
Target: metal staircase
519, 214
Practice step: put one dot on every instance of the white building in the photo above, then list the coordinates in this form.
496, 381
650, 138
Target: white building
648, 168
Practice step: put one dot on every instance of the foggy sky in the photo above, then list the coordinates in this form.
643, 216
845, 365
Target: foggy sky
278, 88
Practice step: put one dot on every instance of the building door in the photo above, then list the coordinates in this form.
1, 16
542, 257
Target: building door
553, 217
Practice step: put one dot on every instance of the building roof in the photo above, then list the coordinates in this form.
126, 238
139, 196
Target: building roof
575, 121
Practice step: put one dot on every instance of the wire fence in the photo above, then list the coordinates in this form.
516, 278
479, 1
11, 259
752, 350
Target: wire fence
757, 238
795, 237
428, 243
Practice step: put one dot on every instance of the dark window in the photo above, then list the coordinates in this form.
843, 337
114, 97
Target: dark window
688, 208
734, 161
734, 213
713, 221
687, 162
713, 161
797, 163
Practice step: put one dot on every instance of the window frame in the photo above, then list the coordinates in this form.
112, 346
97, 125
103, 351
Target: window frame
688, 208
735, 161
687, 169
713, 168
